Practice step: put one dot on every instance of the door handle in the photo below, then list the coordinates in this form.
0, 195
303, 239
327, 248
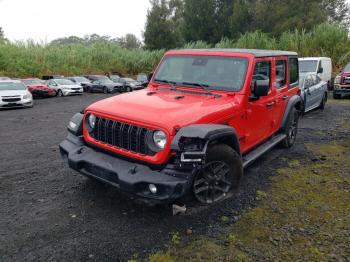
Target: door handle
270, 104
285, 97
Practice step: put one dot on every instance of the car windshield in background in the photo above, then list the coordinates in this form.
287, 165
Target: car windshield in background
12, 86
212, 72
32, 82
106, 81
64, 82
129, 80
115, 78
81, 79
307, 66
347, 68
142, 78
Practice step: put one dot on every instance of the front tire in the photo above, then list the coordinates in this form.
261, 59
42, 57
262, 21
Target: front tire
105, 90
59, 93
291, 129
219, 176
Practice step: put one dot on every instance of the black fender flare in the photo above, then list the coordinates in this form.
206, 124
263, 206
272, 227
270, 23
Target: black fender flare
209, 133
294, 102
75, 125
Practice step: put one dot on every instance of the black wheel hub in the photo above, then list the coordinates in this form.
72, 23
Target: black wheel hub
213, 183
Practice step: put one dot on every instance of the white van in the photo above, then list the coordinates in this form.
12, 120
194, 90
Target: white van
322, 66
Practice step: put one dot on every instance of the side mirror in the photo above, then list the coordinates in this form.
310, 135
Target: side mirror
260, 88
320, 70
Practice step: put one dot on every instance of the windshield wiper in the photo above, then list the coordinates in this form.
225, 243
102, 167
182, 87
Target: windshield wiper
170, 83
203, 86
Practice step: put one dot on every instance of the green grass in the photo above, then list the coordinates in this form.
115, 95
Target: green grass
303, 216
31, 59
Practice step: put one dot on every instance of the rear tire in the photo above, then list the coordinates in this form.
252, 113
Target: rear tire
105, 91
219, 176
291, 129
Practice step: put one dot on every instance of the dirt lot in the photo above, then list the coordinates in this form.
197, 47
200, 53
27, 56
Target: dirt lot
50, 213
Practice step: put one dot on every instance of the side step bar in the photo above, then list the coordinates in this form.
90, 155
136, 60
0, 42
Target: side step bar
249, 158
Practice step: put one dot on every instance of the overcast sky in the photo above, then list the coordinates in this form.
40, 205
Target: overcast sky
45, 20
49, 19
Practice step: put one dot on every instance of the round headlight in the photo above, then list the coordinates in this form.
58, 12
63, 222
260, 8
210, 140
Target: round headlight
159, 139
92, 121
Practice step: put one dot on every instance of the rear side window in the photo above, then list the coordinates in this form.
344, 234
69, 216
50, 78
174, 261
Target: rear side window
293, 72
281, 76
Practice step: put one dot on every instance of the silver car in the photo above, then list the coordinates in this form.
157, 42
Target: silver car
313, 91
65, 87
13, 94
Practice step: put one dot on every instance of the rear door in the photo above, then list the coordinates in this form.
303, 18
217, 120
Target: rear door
282, 90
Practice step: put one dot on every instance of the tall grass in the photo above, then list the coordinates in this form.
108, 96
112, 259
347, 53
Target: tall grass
31, 59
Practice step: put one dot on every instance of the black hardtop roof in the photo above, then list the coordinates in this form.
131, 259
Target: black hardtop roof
254, 52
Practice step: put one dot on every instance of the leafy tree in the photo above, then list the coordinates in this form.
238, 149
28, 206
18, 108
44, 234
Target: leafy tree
338, 11
162, 25
2, 35
201, 21
240, 19
277, 16
129, 41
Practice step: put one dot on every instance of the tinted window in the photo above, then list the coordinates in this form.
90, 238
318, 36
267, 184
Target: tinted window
293, 72
281, 76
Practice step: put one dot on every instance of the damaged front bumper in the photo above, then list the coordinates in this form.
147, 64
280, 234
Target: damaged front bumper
155, 186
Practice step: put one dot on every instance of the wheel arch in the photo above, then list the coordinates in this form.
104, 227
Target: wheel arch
209, 133
294, 102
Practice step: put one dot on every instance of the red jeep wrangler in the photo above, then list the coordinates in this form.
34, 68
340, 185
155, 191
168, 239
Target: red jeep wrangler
205, 116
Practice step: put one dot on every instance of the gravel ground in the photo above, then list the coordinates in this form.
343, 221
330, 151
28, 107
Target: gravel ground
50, 213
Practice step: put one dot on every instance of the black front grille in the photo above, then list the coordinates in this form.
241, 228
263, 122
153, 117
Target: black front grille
10, 100
121, 135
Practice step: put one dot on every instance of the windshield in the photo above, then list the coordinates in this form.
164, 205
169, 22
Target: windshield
32, 82
81, 79
64, 82
115, 78
307, 65
142, 78
347, 68
12, 86
105, 81
129, 79
214, 72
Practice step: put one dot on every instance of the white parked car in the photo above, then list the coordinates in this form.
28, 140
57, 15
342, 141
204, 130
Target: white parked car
14, 93
65, 87
322, 66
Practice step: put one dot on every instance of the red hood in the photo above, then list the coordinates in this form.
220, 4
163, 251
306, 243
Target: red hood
163, 109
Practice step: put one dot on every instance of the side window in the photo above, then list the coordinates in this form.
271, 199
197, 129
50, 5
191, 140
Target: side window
262, 71
317, 80
293, 72
281, 76
308, 82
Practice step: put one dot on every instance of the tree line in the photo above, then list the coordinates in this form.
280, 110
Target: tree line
173, 23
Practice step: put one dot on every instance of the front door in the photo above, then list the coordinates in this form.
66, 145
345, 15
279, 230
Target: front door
260, 112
